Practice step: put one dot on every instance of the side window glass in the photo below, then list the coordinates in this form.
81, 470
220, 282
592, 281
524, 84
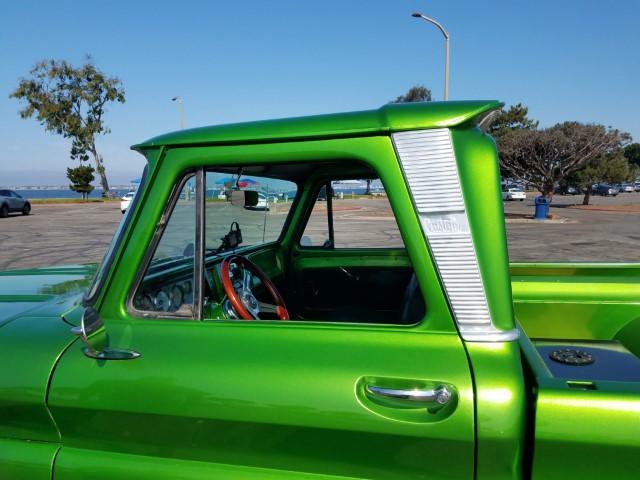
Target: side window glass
168, 282
316, 232
361, 217
259, 223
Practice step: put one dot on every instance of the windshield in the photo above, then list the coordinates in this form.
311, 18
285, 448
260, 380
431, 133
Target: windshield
259, 221
113, 247
177, 242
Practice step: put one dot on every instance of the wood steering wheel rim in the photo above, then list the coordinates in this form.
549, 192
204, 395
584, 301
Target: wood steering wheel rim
234, 297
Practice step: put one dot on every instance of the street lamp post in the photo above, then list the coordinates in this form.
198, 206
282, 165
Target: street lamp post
446, 50
180, 108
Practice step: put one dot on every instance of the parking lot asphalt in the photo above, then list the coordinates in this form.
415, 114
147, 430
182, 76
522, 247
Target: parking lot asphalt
59, 234
575, 234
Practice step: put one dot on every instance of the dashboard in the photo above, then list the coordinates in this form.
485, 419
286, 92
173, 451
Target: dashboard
169, 290
168, 297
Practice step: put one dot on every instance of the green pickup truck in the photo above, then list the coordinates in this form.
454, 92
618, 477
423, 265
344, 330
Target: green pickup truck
257, 316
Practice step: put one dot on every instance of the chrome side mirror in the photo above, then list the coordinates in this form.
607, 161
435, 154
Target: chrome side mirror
91, 324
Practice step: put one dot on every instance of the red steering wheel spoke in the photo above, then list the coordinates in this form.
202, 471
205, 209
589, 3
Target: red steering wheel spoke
244, 303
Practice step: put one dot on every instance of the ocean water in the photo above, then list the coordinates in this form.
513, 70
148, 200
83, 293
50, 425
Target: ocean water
119, 192
66, 193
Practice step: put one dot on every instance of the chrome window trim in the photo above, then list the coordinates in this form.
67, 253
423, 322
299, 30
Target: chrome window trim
198, 271
428, 162
151, 249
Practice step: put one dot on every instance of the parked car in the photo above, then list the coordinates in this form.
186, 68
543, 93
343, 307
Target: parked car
125, 201
513, 193
606, 190
567, 190
636, 186
213, 342
10, 201
626, 188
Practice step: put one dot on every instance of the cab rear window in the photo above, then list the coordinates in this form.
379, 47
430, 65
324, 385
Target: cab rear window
357, 215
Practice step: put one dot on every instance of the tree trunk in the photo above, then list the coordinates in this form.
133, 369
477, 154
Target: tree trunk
587, 197
101, 171
547, 190
368, 190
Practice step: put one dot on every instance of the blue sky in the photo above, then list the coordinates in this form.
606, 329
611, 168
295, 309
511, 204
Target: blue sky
249, 60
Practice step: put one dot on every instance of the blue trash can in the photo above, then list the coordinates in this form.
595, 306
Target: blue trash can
542, 208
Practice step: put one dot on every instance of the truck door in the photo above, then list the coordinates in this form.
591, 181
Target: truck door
223, 398
231, 400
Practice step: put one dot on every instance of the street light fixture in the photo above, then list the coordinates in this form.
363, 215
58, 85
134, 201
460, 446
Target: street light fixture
446, 51
180, 102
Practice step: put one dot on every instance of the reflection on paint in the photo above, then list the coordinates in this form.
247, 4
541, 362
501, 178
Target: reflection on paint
452, 121
597, 403
495, 395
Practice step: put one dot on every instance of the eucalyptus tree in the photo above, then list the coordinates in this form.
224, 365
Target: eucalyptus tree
547, 156
608, 168
417, 93
71, 102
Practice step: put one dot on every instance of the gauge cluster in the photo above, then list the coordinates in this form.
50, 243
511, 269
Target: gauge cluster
165, 298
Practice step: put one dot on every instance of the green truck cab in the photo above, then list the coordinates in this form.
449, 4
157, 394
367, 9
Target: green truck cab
253, 318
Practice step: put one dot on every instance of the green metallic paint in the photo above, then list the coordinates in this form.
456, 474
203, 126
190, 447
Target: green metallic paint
26, 460
477, 161
390, 118
586, 433
32, 337
24, 381
37, 323
15, 305
275, 395
500, 408
38, 291
78, 464
588, 429
46, 281
497, 369
577, 301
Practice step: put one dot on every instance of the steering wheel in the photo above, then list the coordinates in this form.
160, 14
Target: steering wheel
244, 303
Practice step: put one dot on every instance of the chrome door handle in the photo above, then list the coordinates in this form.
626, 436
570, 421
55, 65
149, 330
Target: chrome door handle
438, 396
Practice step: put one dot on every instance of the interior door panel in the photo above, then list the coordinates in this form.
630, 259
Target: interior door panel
341, 286
369, 294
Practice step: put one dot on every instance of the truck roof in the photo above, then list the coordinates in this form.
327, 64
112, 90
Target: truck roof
389, 118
